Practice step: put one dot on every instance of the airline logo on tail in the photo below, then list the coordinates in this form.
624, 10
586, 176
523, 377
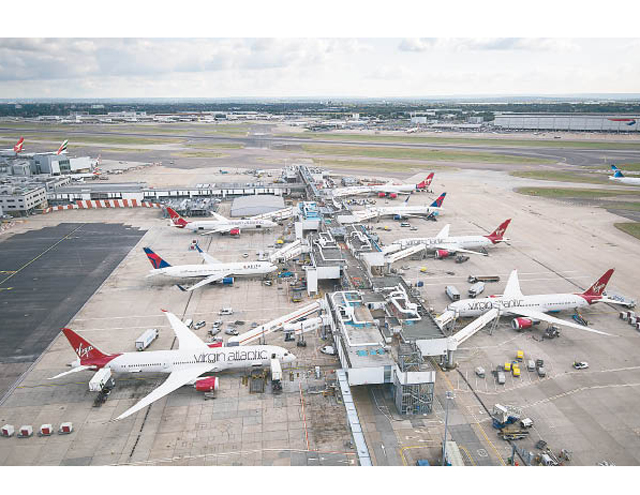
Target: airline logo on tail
616, 171
156, 261
19, 145
63, 147
85, 350
595, 291
425, 183
438, 202
496, 235
176, 219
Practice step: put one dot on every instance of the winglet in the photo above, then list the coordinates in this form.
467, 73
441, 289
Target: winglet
164, 310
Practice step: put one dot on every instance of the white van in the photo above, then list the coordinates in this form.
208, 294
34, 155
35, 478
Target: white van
226, 311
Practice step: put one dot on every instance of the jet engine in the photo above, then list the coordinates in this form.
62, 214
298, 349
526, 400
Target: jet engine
393, 195
208, 384
442, 253
381, 195
234, 232
523, 323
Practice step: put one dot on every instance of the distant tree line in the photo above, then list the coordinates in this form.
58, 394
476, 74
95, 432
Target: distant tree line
382, 110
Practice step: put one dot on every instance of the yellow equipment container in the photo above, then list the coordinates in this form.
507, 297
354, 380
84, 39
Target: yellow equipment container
507, 366
515, 370
520, 356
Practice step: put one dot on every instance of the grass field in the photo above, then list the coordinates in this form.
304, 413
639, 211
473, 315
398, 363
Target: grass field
631, 228
216, 146
560, 176
498, 142
89, 140
420, 154
559, 193
198, 154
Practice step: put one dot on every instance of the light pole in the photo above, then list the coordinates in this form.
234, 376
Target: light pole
449, 398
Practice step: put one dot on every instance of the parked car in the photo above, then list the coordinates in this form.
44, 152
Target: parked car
581, 365
226, 311
199, 325
328, 349
231, 331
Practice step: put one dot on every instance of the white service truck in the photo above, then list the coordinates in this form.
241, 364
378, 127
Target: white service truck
146, 338
100, 380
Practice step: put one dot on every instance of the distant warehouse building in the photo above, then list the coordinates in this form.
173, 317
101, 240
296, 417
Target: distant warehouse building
569, 122
248, 206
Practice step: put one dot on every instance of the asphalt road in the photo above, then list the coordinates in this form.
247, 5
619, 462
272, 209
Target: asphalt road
573, 156
46, 276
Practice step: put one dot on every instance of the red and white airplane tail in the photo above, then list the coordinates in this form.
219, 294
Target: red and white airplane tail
497, 235
425, 183
83, 349
595, 291
176, 219
19, 145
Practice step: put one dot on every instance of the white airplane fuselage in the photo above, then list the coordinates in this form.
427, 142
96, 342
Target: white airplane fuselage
236, 357
542, 302
248, 224
461, 242
171, 274
634, 181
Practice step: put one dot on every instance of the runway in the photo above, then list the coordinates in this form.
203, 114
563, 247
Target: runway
572, 156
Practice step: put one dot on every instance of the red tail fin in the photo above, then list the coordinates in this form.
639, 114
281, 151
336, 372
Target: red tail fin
19, 145
425, 183
177, 220
84, 349
598, 288
496, 235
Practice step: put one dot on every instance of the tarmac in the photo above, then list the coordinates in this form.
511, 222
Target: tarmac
47, 275
556, 246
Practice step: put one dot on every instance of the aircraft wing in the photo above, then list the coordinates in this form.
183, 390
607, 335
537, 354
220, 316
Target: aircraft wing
207, 257
186, 338
72, 370
224, 229
208, 280
457, 249
539, 315
175, 380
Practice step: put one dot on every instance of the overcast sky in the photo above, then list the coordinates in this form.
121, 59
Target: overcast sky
364, 67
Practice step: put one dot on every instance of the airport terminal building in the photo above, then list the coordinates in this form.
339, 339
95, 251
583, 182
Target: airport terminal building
568, 122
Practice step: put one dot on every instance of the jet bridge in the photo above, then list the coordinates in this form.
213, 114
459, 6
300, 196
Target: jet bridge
278, 324
397, 256
287, 252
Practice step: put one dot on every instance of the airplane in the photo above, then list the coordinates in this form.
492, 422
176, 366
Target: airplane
385, 190
221, 225
60, 151
186, 365
530, 310
17, 148
618, 177
400, 212
212, 271
444, 245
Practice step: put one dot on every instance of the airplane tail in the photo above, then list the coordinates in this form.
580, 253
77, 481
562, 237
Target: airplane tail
19, 145
616, 172
83, 348
176, 219
599, 286
438, 202
497, 235
63, 147
156, 261
425, 183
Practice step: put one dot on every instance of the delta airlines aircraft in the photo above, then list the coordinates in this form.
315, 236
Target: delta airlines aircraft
185, 366
17, 148
385, 190
402, 211
221, 225
212, 271
618, 177
528, 310
444, 245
